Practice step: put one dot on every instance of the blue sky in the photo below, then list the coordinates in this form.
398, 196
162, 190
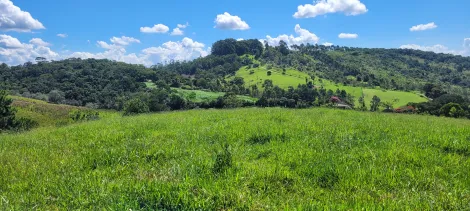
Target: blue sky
90, 25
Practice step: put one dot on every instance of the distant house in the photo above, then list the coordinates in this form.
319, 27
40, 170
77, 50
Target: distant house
338, 103
343, 106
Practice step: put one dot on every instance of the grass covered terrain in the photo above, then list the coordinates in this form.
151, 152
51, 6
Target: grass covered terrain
204, 96
291, 78
276, 159
294, 78
44, 113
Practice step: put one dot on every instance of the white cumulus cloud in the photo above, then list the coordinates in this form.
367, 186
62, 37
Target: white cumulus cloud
159, 28
39, 42
327, 44
466, 43
12, 18
348, 36
183, 26
440, 48
304, 36
187, 49
13, 52
177, 32
124, 40
62, 35
230, 22
321, 7
423, 27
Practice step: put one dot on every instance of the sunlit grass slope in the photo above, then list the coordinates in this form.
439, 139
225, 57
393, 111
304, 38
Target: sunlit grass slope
257, 76
46, 114
291, 78
276, 159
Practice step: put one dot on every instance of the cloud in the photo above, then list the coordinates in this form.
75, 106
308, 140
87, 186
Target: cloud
159, 28
187, 49
423, 27
62, 35
39, 42
12, 18
177, 32
117, 42
240, 39
466, 43
13, 52
183, 26
228, 22
124, 40
304, 36
348, 36
327, 44
440, 48
321, 7
9, 42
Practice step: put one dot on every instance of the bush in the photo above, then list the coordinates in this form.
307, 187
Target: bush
269, 73
176, 102
7, 113
84, 115
135, 106
8, 120
56, 96
25, 124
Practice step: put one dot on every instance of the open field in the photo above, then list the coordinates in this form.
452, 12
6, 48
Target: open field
294, 78
276, 159
205, 96
291, 78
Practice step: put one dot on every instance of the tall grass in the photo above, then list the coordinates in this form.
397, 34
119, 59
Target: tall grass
244, 159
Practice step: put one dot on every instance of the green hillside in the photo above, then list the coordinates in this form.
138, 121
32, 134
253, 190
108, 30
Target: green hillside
205, 96
47, 114
276, 159
257, 76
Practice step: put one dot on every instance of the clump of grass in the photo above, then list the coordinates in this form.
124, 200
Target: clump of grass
223, 160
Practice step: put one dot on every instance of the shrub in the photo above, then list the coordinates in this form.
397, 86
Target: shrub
24, 124
269, 73
7, 113
84, 115
56, 96
135, 106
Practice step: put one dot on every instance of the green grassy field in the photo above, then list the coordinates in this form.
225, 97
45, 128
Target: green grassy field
294, 78
398, 98
204, 96
277, 159
291, 78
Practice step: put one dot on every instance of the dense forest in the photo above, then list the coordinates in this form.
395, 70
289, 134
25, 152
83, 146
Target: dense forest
116, 85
